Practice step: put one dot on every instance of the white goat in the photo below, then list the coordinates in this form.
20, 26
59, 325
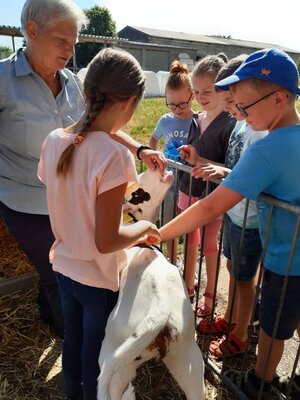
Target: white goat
153, 317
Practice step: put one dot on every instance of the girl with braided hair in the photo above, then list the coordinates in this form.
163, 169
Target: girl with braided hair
86, 173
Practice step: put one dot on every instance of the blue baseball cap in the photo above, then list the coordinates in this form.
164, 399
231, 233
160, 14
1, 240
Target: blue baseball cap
270, 65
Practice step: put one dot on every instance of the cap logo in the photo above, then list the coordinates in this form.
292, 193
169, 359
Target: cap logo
265, 72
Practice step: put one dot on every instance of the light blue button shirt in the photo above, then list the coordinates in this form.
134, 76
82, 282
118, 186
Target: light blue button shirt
28, 112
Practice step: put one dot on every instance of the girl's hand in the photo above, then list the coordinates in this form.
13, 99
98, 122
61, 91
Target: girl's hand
152, 240
209, 171
153, 235
152, 232
188, 153
154, 159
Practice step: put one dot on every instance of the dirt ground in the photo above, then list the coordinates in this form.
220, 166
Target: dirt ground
30, 354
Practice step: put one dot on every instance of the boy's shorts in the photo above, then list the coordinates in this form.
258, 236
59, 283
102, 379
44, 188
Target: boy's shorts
251, 250
269, 305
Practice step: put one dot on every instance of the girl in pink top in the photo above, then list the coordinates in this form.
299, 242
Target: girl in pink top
86, 173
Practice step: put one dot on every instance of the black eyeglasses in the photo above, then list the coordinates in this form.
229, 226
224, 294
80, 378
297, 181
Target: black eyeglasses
243, 111
182, 105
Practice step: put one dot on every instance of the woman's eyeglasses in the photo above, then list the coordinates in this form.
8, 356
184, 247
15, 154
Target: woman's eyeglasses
182, 105
243, 111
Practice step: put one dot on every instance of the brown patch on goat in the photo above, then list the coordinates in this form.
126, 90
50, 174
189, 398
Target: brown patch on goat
161, 342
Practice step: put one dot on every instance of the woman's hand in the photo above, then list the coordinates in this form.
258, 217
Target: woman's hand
154, 159
188, 153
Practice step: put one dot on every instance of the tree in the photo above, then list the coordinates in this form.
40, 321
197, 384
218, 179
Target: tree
101, 24
7, 51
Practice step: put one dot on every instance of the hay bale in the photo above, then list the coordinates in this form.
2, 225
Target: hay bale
152, 84
162, 80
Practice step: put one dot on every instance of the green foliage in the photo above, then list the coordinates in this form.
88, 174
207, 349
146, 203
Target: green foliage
7, 50
100, 24
146, 116
298, 65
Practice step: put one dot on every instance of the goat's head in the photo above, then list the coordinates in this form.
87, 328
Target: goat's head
144, 203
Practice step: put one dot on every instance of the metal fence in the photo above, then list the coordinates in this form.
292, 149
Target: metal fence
219, 369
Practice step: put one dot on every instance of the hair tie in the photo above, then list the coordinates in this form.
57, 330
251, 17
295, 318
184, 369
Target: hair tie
78, 140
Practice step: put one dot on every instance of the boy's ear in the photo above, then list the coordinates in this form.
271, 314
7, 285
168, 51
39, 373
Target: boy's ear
281, 97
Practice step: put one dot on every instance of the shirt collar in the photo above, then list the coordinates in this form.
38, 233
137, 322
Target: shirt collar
23, 68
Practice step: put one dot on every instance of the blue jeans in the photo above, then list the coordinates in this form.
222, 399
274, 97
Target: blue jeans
86, 310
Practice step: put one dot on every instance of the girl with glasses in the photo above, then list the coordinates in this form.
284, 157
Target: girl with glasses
174, 127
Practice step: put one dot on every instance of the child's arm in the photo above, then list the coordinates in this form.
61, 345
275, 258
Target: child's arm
153, 143
189, 154
200, 213
152, 158
110, 234
209, 171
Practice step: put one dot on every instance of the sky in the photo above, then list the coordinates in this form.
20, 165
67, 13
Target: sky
267, 21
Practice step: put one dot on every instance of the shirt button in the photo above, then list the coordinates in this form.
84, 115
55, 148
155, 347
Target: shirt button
56, 111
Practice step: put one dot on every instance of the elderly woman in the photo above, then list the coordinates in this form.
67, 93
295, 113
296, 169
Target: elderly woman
37, 95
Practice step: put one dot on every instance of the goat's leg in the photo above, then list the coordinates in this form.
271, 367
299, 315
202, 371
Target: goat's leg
184, 361
120, 380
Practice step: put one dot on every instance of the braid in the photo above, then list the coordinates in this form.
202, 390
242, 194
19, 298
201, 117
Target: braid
96, 104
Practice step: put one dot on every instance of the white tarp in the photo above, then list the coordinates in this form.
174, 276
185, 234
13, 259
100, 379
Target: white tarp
152, 84
162, 80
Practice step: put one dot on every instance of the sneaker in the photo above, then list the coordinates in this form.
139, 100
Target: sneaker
246, 382
281, 383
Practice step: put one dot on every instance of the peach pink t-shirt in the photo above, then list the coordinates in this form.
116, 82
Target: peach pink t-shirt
99, 164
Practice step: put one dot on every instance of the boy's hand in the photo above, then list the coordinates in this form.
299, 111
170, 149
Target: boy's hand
188, 153
209, 171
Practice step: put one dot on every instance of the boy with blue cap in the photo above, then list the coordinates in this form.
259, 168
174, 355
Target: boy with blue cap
265, 88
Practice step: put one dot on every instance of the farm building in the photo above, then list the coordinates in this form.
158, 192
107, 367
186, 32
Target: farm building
156, 49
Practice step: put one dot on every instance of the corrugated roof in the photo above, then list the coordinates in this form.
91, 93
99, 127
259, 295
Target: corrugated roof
16, 31
255, 45
178, 35
209, 39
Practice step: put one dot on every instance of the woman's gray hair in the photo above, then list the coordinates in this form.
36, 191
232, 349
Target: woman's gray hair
47, 12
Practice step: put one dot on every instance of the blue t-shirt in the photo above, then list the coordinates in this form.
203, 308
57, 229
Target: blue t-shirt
241, 138
271, 166
174, 131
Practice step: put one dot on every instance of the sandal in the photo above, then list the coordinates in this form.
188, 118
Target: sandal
217, 327
203, 310
219, 348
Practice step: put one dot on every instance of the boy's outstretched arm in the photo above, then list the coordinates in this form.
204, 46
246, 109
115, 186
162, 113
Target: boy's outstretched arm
200, 213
